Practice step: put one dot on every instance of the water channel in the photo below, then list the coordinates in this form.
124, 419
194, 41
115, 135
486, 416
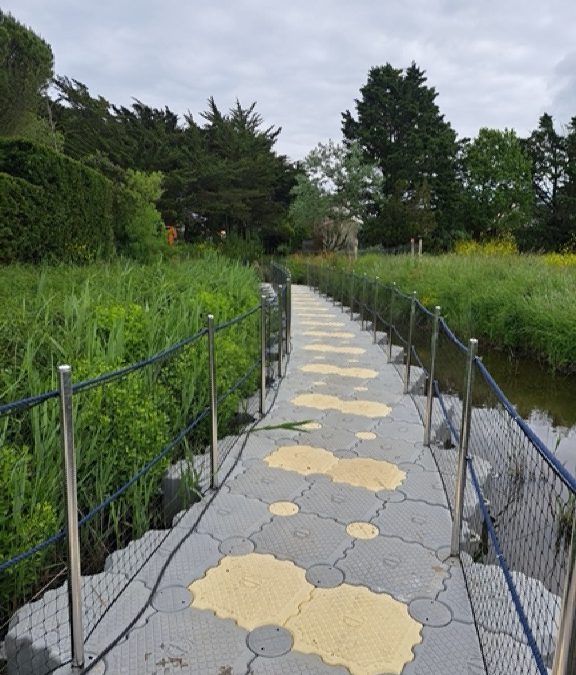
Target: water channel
546, 401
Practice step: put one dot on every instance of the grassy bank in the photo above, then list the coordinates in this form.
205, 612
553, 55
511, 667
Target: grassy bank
100, 318
524, 304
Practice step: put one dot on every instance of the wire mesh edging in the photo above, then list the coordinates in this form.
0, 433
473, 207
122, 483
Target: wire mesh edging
450, 417
117, 375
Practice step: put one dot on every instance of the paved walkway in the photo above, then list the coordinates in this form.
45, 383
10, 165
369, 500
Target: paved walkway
326, 551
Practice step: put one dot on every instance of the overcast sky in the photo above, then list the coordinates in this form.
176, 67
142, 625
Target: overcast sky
494, 63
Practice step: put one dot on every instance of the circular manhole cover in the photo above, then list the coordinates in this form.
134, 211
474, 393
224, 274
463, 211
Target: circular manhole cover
270, 641
430, 612
172, 599
324, 576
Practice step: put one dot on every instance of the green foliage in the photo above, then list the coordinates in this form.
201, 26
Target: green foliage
498, 184
52, 207
26, 64
100, 318
522, 303
24, 518
400, 128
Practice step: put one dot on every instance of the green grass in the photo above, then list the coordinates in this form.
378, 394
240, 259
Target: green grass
99, 318
524, 304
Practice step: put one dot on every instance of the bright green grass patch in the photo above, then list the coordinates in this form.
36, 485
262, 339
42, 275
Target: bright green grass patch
99, 318
525, 303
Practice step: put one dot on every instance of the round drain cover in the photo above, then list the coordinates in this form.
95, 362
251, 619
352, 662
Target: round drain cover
172, 599
236, 546
430, 612
324, 576
270, 641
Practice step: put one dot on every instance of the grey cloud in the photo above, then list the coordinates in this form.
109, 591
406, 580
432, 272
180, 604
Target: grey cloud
492, 63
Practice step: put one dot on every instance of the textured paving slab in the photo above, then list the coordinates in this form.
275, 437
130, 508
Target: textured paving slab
390, 565
342, 502
189, 641
303, 538
233, 515
268, 484
418, 522
295, 663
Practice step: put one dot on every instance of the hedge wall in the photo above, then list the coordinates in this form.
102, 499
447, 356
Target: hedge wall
55, 208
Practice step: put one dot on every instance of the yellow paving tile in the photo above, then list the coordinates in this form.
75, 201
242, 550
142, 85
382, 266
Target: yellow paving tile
253, 590
304, 459
325, 333
366, 632
283, 508
327, 402
365, 435
334, 350
361, 373
360, 530
372, 474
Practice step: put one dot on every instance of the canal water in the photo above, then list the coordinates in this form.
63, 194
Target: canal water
546, 401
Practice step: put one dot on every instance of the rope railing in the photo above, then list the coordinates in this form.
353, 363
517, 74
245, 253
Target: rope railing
119, 532
513, 503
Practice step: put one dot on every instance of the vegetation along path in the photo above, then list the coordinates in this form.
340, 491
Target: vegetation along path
326, 550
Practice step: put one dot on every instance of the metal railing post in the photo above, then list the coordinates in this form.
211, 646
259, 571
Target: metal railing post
390, 326
430, 392
375, 308
352, 296
412, 246
213, 404
308, 274
73, 536
280, 328
420, 247
288, 314
463, 449
410, 339
262, 353
363, 302
565, 654
342, 289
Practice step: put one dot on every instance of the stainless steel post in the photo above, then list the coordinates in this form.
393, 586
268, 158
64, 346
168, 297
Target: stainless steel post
73, 536
352, 296
565, 654
343, 289
288, 314
390, 326
463, 449
410, 340
412, 246
363, 302
420, 247
280, 328
213, 404
308, 274
430, 392
375, 308
262, 353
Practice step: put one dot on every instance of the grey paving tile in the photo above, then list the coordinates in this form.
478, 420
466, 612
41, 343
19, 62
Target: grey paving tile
179, 560
447, 650
386, 564
234, 515
304, 538
425, 486
268, 484
425, 524
190, 641
294, 663
455, 595
345, 503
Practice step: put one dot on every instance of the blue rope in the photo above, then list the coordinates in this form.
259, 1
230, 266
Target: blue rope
235, 320
26, 403
32, 551
424, 309
556, 466
450, 335
508, 577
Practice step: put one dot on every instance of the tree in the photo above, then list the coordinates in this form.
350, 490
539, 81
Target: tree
26, 67
333, 194
498, 184
400, 128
